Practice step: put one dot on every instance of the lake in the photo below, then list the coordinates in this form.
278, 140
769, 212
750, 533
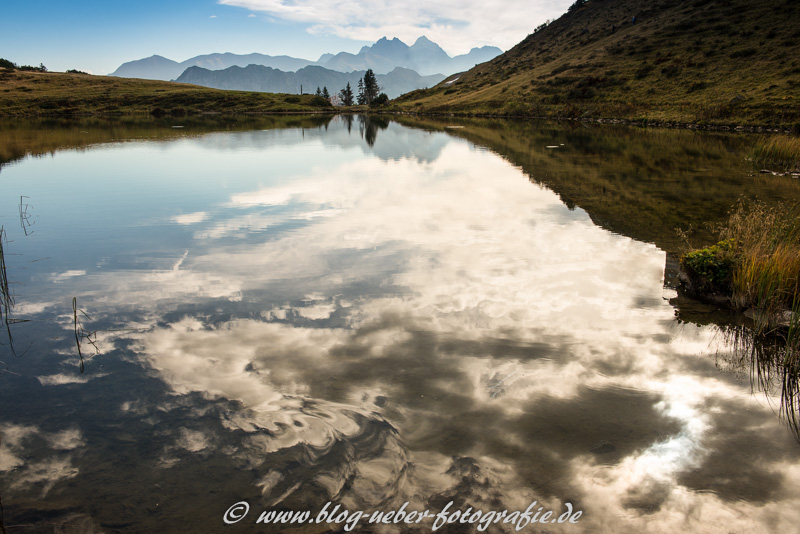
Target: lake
424, 323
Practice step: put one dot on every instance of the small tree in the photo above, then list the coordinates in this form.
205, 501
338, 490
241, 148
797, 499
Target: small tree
361, 98
318, 93
346, 95
325, 94
371, 88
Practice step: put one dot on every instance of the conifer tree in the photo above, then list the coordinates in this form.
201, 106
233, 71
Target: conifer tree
325, 94
346, 95
371, 89
361, 98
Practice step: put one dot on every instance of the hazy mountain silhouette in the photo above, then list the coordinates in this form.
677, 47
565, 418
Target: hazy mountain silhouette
161, 68
267, 79
424, 57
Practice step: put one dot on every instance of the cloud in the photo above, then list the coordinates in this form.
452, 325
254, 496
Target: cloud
456, 25
212, 17
60, 277
251, 16
190, 218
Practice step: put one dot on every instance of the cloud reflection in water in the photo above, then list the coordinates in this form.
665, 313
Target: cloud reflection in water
434, 327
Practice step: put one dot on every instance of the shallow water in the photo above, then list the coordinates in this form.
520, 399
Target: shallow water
370, 314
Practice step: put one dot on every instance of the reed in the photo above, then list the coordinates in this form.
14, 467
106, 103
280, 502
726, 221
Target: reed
779, 152
762, 258
766, 257
6, 298
81, 334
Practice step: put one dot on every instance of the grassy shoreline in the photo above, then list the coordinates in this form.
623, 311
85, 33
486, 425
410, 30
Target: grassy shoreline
54, 94
665, 120
31, 94
754, 267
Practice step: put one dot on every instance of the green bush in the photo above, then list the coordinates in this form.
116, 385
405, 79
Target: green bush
380, 100
711, 268
318, 101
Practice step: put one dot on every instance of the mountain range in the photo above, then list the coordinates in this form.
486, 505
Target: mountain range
424, 56
269, 80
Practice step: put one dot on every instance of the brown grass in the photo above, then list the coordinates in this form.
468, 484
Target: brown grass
779, 152
53, 93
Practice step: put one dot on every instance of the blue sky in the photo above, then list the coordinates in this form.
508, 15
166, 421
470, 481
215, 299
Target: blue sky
97, 36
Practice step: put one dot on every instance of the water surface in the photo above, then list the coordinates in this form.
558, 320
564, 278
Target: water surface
371, 314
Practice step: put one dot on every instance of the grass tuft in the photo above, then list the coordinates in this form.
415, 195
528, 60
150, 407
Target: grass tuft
779, 152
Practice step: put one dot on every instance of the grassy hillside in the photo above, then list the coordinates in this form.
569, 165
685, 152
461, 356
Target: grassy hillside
52, 93
682, 60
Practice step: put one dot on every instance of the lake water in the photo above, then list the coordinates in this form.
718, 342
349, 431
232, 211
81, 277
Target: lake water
292, 312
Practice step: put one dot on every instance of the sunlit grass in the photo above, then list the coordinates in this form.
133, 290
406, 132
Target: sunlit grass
766, 256
57, 94
779, 152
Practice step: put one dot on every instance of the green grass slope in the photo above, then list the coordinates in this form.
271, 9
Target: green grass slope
691, 61
53, 93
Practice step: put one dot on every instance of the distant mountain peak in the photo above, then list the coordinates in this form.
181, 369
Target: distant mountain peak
425, 57
384, 43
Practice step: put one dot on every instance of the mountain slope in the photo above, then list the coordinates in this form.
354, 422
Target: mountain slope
266, 79
682, 60
150, 68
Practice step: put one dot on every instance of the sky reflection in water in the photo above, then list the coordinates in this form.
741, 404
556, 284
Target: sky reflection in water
289, 317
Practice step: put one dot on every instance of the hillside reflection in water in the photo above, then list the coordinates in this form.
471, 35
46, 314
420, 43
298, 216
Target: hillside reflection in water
368, 315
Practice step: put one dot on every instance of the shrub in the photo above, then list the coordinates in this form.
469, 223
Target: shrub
318, 101
380, 100
30, 68
710, 269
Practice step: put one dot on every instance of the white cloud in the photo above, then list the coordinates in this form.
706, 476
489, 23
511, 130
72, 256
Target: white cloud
61, 379
457, 25
60, 277
191, 218
212, 17
251, 16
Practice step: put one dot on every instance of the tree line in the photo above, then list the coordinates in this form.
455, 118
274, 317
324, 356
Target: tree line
369, 92
9, 65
